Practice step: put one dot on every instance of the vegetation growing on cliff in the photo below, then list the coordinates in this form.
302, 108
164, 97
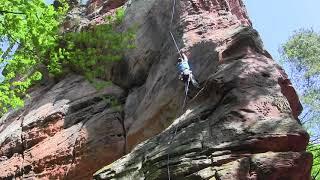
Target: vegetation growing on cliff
28, 29
29, 35
302, 50
90, 51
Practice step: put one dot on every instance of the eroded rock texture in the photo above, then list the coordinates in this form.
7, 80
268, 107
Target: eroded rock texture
65, 129
241, 124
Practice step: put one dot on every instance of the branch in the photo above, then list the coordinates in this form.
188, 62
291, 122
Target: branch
6, 53
314, 147
10, 12
316, 156
14, 42
315, 177
305, 115
315, 139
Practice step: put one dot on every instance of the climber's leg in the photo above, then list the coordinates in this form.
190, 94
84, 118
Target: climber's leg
194, 81
186, 84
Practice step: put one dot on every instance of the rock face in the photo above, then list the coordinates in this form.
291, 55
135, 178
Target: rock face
66, 128
242, 123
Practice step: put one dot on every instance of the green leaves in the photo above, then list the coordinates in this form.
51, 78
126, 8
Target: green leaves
315, 150
90, 52
303, 50
33, 39
33, 29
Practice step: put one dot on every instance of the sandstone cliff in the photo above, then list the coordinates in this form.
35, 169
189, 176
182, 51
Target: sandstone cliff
242, 124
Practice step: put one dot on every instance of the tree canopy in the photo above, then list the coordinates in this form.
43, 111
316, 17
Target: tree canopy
28, 28
303, 48
302, 52
30, 39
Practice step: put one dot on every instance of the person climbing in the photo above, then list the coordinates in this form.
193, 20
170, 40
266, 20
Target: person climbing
185, 73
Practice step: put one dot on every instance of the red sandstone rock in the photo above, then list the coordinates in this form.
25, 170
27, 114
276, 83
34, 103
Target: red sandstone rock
241, 125
246, 106
66, 129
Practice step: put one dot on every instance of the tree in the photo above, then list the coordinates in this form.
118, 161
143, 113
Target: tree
27, 30
302, 54
91, 51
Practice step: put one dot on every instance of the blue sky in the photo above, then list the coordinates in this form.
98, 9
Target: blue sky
277, 19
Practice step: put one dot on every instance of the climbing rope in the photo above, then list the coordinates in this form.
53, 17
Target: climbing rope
178, 50
170, 28
168, 159
186, 89
175, 43
186, 85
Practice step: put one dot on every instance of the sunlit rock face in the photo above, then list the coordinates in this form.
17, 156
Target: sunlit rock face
66, 128
242, 123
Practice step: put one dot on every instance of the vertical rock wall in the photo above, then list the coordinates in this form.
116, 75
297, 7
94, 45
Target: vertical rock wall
241, 124
66, 131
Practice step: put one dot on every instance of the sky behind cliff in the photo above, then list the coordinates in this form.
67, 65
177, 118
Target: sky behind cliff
277, 19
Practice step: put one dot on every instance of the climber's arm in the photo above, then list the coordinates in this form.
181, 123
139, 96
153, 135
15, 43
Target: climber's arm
184, 57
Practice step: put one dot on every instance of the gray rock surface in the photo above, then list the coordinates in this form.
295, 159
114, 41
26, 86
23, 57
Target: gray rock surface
64, 128
242, 123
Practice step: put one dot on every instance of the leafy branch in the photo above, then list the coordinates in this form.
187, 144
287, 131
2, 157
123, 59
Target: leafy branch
302, 52
9, 12
36, 34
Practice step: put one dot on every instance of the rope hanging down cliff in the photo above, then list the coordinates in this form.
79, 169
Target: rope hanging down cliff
183, 66
185, 73
186, 86
170, 26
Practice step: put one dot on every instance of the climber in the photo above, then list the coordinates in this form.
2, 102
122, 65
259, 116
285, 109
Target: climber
185, 73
